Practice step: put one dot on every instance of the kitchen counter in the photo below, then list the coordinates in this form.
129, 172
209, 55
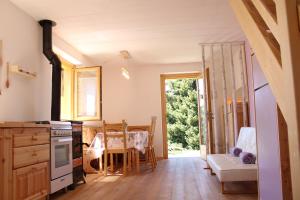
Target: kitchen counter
24, 155
23, 125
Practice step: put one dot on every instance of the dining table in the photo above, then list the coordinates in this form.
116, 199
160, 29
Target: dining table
137, 140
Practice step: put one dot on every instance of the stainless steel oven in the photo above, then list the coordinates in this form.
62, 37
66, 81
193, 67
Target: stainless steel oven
61, 155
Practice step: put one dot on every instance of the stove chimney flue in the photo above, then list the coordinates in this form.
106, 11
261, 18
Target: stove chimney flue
56, 68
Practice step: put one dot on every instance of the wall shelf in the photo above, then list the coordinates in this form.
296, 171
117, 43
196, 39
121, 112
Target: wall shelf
18, 70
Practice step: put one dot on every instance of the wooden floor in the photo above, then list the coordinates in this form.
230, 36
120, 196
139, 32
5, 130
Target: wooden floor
176, 178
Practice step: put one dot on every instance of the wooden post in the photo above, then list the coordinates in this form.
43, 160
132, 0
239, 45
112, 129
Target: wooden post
226, 128
244, 85
208, 146
199, 113
214, 92
234, 97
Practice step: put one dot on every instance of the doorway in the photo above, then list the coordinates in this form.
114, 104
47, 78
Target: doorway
183, 125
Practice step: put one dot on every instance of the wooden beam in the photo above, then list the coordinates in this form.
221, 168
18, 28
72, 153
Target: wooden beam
188, 75
284, 82
164, 115
268, 61
298, 6
290, 45
271, 7
269, 17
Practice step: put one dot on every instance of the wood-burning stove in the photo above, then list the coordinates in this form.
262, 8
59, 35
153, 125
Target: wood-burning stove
78, 172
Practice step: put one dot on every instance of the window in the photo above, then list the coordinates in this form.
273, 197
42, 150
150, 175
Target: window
87, 93
80, 92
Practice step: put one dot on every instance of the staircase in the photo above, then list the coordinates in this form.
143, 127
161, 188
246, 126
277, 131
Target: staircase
272, 28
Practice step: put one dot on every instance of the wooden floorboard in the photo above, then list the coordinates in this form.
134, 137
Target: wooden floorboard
176, 179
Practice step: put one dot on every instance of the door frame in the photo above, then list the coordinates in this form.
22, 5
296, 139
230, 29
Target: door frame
163, 78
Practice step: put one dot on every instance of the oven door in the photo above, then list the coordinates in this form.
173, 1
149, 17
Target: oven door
61, 156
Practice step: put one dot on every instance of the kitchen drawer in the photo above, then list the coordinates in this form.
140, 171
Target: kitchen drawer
25, 156
23, 137
60, 182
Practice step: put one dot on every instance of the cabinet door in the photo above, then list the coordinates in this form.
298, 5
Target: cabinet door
1, 164
31, 182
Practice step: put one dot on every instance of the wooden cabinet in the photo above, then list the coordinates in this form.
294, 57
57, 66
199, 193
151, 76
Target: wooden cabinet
27, 137
31, 182
25, 156
1, 163
24, 161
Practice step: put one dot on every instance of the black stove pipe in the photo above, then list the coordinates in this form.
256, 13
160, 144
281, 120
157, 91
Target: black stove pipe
56, 68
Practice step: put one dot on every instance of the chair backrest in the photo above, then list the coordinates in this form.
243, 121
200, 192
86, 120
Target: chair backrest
115, 130
247, 140
152, 130
138, 128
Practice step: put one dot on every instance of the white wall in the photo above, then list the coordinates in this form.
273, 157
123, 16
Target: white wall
42, 86
22, 46
27, 99
138, 98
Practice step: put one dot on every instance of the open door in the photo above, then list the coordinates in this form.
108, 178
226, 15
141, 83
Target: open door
205, 115
209, 113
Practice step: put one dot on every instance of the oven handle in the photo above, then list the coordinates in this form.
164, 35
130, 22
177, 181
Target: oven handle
63, 140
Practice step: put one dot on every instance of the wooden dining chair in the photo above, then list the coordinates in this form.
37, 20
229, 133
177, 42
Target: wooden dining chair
150, 147
115, 131
149, 150
135, 155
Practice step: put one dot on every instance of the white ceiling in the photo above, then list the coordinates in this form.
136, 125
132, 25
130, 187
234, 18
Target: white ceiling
153, 31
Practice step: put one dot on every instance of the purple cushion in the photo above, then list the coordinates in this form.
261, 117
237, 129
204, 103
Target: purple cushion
247, 158
235, 151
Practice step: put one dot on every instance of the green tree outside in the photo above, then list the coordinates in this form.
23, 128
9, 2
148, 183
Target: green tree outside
182, 114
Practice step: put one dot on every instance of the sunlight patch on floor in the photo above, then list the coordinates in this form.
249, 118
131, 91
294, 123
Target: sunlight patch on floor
109, 179
184, 154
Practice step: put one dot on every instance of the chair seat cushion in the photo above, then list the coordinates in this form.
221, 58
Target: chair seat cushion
229, 168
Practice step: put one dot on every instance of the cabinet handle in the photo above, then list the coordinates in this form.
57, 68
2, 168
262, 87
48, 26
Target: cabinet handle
33, 138
7, 138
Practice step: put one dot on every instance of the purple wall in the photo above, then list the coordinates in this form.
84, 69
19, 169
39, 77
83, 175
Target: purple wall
268, 145
265, 120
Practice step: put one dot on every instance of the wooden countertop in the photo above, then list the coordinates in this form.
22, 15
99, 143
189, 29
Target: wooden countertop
22, 125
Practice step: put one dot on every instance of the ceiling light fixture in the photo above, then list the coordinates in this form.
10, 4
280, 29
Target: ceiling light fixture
125, 54
125, 73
